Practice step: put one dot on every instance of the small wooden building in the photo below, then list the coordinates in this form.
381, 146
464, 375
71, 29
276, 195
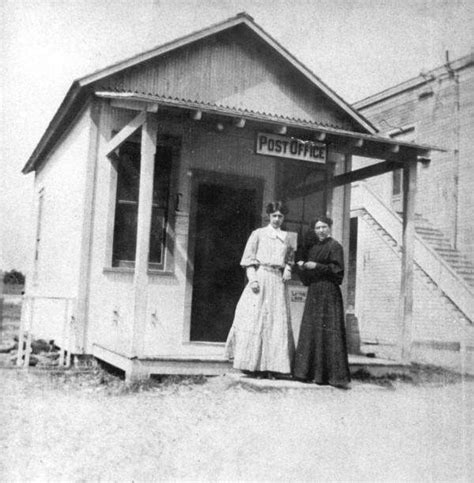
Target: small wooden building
154, 171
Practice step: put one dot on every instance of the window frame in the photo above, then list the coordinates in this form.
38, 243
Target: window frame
404, 133
166, 266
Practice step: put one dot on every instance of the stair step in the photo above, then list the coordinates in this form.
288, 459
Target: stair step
438, 244
451, 253
454, 256
431, 231
434, 237
426, 227
452, 260
468, 270
437, 239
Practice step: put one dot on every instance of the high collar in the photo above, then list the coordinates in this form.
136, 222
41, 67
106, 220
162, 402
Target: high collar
275, 233
322, 242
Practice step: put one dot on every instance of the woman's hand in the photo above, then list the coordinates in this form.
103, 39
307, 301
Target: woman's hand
287, 273
255, 286
310, 265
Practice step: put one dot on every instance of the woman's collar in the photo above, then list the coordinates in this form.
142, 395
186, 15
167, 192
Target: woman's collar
276, 232
321, 242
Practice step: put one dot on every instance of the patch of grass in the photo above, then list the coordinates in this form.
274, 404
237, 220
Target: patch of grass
161, 382
387, 380
417, 374
429, 374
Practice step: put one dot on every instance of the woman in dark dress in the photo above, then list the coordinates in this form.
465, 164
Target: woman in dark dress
321, 354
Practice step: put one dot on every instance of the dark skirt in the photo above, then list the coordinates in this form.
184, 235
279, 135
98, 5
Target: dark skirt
321, 354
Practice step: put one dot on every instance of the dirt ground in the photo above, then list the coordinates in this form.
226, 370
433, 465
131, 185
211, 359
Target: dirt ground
91, 426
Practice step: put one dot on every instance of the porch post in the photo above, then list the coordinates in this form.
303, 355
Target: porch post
346, 228
145, 199
408, 240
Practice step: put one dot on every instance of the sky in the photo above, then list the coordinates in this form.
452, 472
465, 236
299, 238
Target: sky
357, 47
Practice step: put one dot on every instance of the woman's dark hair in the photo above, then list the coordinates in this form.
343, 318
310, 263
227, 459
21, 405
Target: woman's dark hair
322, 219
276, 206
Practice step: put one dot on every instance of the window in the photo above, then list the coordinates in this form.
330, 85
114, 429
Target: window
397, 180
126, 208
407, 134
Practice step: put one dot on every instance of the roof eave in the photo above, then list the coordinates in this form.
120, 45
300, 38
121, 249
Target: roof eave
66, 105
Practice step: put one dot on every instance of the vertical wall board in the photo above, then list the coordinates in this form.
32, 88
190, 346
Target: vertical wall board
56, 270
231, 71
62, 180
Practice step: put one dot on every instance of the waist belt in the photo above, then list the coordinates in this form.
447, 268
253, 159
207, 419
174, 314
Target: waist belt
271, 267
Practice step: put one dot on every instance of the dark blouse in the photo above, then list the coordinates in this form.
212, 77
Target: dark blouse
329, 257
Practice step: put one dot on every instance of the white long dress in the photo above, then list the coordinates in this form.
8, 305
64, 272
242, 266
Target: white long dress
261, 337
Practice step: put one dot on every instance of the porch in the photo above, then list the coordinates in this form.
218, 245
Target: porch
140, 368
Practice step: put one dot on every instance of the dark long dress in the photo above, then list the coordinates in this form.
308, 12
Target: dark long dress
321, 354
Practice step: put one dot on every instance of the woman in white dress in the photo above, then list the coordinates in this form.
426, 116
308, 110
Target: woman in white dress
260, 340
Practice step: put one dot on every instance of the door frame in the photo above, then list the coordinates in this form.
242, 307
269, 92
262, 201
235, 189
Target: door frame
199, 176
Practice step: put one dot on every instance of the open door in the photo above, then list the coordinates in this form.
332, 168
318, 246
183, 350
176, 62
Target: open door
227, 209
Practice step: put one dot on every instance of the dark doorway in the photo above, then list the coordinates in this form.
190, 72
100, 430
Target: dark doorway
225, 216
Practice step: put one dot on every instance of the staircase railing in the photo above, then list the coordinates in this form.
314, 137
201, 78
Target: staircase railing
447, 280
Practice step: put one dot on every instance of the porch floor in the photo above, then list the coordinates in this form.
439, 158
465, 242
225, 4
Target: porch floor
218, 365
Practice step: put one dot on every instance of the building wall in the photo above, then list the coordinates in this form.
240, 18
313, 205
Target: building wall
441, 111
465, 233
169, 297
60, 182
438, 331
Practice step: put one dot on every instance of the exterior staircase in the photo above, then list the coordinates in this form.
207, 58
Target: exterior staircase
441, 244
444, 268
447, 278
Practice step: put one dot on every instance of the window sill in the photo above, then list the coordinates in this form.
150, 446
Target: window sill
125, 270
203, 343
131, 271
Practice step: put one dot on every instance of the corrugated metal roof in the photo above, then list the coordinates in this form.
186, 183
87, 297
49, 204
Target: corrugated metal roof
217, 109
200, 105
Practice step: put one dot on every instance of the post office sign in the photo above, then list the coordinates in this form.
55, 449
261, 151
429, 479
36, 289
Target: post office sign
289, 147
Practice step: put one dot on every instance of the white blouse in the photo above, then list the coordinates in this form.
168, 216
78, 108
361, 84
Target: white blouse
267, 246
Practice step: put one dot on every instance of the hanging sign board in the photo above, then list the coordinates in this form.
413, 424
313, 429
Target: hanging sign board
287, 147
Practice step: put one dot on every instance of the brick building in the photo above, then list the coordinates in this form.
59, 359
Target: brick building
437, 107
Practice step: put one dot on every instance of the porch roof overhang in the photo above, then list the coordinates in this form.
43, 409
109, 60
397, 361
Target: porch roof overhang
393, 154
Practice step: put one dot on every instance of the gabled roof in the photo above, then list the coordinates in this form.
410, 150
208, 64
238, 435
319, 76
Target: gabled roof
82, 88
